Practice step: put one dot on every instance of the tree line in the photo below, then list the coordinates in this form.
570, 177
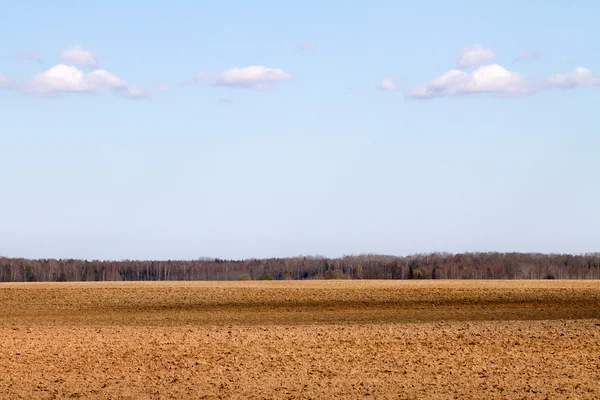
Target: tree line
365, 266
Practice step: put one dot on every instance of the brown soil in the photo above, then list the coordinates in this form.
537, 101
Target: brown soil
319, 339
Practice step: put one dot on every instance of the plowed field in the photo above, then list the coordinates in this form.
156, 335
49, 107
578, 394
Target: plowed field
317, 339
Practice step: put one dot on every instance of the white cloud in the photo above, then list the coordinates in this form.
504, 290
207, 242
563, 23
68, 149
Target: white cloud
578, 77
133, 92
306, 46
474, 56
491, 79
528, 55
79, 55
199, 77
58, 79
63, 78
388, 84
102, 78
255, 77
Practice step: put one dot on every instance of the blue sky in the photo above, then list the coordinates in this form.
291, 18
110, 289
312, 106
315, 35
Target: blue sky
269, 128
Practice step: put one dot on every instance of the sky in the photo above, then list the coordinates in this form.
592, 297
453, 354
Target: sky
241, 129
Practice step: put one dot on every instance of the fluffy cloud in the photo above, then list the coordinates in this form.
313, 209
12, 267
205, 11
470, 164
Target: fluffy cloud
474, 56
491, 79
578, 77
63, 78
255, 77
102, 79
79, 55
388, 85
58, 79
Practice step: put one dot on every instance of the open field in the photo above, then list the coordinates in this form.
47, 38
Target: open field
301, 339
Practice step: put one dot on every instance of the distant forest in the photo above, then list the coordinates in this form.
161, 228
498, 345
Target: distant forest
366, 266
